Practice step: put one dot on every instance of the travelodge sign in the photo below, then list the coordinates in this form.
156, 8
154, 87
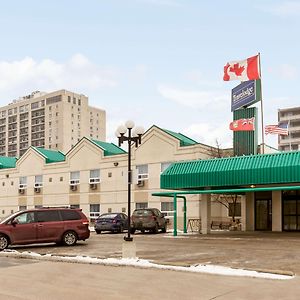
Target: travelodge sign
245, 94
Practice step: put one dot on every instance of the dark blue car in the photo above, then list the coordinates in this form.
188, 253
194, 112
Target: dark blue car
114, 222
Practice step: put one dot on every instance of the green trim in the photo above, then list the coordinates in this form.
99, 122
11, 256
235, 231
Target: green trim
240, 191
7, 162
184, 140
108, 148
51, 156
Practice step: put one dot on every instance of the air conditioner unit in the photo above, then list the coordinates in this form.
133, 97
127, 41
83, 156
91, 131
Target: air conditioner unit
37, 190
38, 185
21, 191
74, 181
73, 187
93, 186
22, 186
94, 180
140, 183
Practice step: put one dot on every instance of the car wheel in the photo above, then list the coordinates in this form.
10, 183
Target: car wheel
143, 231
155, 229
4, 242
132, 230
164, 229
69, 238
121, 229
98, 231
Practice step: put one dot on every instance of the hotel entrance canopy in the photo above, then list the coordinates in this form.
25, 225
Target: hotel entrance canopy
232, 175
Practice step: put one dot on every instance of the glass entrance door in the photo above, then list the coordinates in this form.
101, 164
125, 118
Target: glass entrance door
263, 214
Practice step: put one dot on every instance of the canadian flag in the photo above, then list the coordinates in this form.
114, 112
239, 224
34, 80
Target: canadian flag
243, 70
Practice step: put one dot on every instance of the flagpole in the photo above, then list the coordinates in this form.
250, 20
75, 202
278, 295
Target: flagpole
289, 135
261, 111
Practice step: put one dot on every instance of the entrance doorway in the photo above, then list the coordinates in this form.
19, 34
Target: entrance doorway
263, 214
291, 210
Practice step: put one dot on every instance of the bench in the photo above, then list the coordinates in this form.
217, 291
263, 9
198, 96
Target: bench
220, 225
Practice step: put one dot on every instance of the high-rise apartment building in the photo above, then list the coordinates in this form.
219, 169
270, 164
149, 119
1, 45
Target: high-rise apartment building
56, 120
291, 141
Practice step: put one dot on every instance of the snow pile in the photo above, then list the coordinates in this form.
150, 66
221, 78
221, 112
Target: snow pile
142, 263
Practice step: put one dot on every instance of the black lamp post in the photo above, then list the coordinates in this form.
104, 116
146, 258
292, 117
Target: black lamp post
133, 137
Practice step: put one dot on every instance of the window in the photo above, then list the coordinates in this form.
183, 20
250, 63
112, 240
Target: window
237, 208
23, 182
164, 166
141, 205
22, 207
38, 182
95, 176
167, 208
25, 218
48, 216
70, 215
94, 211
34, 105
142, 171
75, 178
61, 179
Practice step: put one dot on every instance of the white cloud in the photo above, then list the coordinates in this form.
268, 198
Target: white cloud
284, 9
78, 73
195, 99
209, 133
288, 72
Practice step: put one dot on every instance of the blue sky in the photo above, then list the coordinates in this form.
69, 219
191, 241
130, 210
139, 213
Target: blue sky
153, 61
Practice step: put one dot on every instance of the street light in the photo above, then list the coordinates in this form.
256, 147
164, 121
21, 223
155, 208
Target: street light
134, 136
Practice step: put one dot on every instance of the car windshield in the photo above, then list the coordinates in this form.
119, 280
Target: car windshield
9, 217
142, 213
108, 216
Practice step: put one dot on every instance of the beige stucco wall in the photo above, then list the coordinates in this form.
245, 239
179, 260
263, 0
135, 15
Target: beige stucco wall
157, 147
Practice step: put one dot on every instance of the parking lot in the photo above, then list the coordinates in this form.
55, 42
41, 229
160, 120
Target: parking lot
267, 251
261, 251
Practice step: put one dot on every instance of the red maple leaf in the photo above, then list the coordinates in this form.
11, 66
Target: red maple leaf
237, 69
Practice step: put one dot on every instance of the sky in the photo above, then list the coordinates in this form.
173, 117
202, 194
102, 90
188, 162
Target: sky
156, 62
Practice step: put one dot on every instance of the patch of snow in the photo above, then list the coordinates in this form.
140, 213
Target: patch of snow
142, 263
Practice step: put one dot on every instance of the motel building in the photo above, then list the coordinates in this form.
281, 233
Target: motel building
172, 172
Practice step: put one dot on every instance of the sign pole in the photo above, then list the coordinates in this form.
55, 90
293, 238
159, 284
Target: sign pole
262, 112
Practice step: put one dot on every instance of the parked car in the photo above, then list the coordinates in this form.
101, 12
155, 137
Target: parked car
148, 219
44, 225
114, 222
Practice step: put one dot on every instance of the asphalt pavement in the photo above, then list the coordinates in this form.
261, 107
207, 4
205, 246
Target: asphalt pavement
261, 251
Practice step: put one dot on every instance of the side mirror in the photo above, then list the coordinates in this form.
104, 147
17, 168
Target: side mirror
14, 223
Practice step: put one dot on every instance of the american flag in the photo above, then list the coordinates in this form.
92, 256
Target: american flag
282, 129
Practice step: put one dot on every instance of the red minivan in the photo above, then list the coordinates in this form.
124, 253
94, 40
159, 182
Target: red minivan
44, 225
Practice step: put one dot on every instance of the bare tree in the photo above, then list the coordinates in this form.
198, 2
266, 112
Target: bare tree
228, 201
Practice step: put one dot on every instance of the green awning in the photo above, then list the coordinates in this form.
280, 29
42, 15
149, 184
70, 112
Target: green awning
230, 172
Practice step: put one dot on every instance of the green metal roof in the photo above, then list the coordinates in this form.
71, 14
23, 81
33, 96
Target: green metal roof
184, 140
283, 167
7, 162
109, 148
51, 156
